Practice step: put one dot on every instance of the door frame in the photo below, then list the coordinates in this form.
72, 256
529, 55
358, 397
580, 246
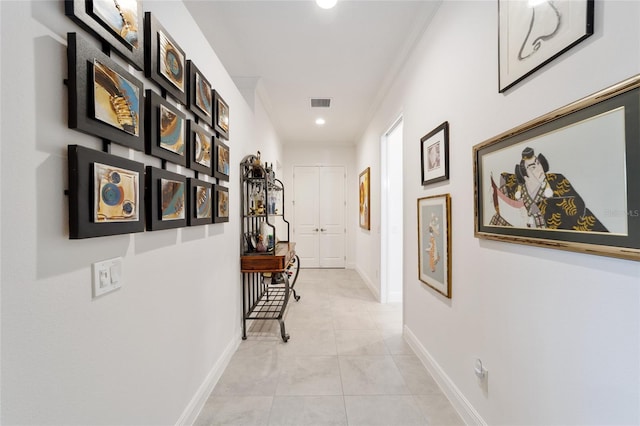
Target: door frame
385, 268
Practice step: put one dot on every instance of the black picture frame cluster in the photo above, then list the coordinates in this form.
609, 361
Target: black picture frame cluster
182, 124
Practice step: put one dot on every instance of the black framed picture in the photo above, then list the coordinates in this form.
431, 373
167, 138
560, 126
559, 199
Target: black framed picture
221, 165
532, 34
199, 148
221, 118
200, 94
221, 204
200, 199
106, 194
567, 180
165, 62
434, 151
166, 130
118, 23
104, 99
166, 194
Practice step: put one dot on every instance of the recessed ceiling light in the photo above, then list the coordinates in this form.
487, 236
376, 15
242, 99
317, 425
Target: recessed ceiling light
320, 121
326, 4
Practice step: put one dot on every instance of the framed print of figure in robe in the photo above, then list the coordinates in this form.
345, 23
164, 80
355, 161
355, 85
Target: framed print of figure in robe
567, 180
434, 242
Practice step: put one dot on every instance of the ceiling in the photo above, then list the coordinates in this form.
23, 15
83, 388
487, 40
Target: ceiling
292, 51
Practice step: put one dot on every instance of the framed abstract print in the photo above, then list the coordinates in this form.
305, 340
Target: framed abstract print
104, 99
567, 180
221, 204
106, 194
221, 164
532, 34
200, 201
200, 95
116, 22
364, 190
166, 129
199, 149
166, 197
434, 152
165, 62
221, 117
434, 242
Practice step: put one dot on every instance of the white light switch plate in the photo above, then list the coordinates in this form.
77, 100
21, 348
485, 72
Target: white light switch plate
107, 276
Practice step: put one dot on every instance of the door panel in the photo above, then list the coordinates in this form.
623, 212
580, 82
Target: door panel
331, 214
319, 216
305, 208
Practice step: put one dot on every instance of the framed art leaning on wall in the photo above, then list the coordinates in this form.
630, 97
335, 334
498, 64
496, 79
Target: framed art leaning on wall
434, 242
567, 180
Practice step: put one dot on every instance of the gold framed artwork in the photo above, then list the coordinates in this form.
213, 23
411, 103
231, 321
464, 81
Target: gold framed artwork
364, 189
434, 242
567, 180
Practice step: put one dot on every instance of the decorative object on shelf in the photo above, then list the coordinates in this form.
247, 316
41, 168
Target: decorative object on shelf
221, 115
434, 151
165, 62
200, 202
567, 180
166, 130
104, 99
200, 94
532, 34
106, 194
221, 155
116, 22
166, 199
199, 148
434, 242
221, 206
365, 199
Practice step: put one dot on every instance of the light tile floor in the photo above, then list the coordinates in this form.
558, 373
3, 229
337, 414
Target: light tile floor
346, 363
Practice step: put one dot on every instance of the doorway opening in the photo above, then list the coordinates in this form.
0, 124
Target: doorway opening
391, 232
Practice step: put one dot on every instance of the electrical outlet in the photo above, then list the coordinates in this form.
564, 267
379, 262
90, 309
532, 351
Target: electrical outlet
107, 276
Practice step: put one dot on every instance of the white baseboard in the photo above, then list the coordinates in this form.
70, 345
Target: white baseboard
196, 404
394, 297
369, 283
464, 408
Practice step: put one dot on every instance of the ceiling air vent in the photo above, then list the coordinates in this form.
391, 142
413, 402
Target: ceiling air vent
320, 102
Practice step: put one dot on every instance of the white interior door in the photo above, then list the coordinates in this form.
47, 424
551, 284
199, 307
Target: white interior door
319, 216
331, 214
306, 225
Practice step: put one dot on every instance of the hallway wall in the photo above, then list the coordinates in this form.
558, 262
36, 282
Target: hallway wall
558, 331
149, 352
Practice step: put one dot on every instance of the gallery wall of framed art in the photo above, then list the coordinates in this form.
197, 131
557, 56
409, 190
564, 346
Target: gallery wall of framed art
180, 124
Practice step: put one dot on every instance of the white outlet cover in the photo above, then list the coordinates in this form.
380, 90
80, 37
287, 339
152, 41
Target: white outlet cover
107, 276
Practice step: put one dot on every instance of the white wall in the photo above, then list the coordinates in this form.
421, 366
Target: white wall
558, 331
326, 155
149, 352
